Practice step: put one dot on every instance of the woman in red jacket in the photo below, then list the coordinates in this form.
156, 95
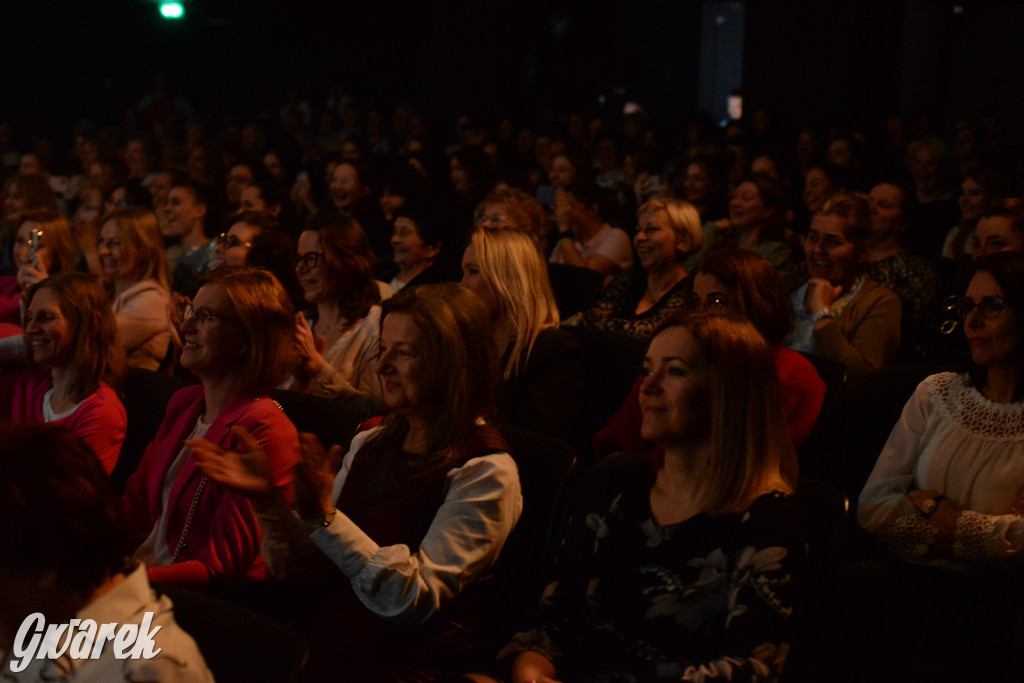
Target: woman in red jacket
237, 339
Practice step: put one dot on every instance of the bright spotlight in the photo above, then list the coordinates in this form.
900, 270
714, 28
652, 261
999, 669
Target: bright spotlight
172, 10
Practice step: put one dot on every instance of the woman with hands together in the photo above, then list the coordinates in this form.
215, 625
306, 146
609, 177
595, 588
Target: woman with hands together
421, 505
840, 314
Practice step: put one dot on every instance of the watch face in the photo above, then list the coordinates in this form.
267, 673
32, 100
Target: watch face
928, 507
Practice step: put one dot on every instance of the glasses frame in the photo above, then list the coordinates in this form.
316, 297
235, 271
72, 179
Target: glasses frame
963, 305
308, 261
208, 316
230, 241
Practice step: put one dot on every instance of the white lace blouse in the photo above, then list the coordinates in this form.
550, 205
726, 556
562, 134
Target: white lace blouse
953, 440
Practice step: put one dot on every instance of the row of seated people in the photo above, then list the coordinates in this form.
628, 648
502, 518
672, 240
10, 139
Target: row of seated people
994, 343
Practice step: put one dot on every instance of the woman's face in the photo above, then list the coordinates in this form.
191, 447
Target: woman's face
925, 170
475, 281
710, 294
274, 167
994, 341
830, 255
44, 255
697, 185
886, 209
409, 249
746, 210
840, 154
251, 199
817, 189
113, 260
315, 280
15, 203
995, 234
674, 395
50, 335
657, 244
234, 248
214, 339
239, 177
345, 187
391, 202
161, 189
495, 216
460, 180
562, 172
973, 199
400, 363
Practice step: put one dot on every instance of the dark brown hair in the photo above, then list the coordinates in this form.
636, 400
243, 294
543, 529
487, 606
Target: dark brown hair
460, 369
759, 293
350, 262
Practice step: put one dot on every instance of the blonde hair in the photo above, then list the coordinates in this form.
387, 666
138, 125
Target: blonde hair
515, 270
142, 243
682, 216
750, 442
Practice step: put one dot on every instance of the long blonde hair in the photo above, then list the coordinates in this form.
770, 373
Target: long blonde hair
509, 260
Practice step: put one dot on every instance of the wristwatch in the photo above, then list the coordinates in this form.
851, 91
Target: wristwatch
929, 506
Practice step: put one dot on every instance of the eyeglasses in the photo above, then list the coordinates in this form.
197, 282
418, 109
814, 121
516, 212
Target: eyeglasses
988, 308
230, 241
202, 317
309, 260
495, 220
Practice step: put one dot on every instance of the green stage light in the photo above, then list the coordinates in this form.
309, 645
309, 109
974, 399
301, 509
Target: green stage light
172, 10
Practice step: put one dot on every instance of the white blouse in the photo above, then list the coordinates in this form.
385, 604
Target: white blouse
482, 503
953, 440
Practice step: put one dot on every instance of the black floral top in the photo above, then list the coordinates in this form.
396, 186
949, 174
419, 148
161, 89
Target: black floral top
615, 308
710, 598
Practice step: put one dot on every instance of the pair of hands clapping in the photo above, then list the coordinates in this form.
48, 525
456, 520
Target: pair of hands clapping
248, 471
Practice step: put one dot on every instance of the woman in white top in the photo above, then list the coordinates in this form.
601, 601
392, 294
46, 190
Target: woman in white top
948, 488
422, 505
338, 336
136, 273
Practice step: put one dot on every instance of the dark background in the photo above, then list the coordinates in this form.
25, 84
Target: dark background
835, 61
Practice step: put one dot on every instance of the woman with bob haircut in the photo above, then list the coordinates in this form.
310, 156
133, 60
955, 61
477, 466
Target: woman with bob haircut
337, 337
78, 364
237, 339
641, 298
43, 246
540, 364
689, 562
422, 504
137, 275
68, 561
506, 207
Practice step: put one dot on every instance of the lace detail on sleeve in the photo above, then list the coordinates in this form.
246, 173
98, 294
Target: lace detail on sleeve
973, 530
975, 413
912, 534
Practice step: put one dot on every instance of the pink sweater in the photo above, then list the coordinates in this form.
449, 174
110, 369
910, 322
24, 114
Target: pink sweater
100, 420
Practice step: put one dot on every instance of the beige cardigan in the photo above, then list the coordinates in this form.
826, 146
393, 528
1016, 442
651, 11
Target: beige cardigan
866, 335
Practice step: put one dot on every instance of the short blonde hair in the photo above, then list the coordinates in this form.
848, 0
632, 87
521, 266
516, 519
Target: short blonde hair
516, 271
682, 216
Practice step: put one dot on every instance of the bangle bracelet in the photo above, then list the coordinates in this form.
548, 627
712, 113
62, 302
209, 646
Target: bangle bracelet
822, 315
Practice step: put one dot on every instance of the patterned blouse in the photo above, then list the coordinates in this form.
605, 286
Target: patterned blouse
915, 282
616, 305
709, 598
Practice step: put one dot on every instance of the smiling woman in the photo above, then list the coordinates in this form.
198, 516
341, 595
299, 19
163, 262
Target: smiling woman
237, 341
78, 364
136, 273
640, 298
840, 314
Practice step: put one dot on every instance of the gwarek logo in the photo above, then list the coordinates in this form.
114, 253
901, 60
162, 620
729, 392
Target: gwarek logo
81, 639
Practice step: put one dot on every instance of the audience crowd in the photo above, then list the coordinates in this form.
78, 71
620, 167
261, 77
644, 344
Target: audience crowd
469, 301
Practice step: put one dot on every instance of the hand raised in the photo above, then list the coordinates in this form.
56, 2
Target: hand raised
314, 477
246, 472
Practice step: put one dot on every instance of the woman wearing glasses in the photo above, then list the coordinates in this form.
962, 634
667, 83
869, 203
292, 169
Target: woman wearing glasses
237, 339
948, 488
338, 335
135, 272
